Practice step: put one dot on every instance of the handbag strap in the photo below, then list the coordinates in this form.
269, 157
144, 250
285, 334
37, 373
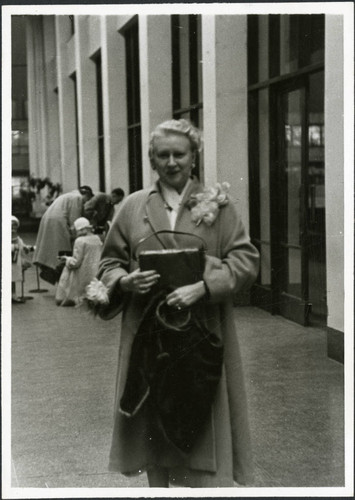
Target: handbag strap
170, 231
183, 326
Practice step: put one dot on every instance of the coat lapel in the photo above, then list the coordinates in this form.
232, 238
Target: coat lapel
183, 220
157, 217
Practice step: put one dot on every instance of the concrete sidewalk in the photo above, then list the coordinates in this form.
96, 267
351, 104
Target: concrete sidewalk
63, 383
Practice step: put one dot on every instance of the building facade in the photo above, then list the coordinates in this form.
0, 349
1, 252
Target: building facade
267, 91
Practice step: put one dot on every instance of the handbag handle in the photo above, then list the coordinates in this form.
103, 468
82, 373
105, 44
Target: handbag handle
178, 327
170, 231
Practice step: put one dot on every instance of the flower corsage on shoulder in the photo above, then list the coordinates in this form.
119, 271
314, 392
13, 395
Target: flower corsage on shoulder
205, 206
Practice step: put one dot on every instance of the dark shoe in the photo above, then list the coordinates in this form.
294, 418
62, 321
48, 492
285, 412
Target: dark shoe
17, 300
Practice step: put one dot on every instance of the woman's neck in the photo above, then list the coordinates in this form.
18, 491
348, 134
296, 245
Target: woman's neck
171, 189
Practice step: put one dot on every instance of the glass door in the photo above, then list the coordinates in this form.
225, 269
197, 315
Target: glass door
299, 216
291, 181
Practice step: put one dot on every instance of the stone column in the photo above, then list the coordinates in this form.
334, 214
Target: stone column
87, 106
334, 169
155, 80
114, 104
225, 105
37, 105
52, 118
66, 106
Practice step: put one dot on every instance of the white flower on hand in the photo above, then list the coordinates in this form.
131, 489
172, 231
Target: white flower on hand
97, 292
206, 205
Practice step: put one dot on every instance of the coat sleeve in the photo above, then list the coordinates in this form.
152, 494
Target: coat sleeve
78, 255
115, 262
238, 264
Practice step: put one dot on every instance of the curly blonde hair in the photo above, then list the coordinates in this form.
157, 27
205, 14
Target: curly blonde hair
183, 127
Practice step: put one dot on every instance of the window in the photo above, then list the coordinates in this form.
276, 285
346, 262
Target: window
19, 142
73, 77
14, 109
187, 67
100, 122
133, 107
280, 45
187, 70
286, 162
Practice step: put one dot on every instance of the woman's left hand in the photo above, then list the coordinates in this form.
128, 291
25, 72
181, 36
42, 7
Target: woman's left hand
187, 295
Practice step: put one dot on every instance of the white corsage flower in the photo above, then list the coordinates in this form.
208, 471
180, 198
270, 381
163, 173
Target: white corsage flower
205, 206
97, 292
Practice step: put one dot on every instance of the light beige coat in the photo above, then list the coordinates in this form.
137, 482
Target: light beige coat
223, 449
54, 234
79, 270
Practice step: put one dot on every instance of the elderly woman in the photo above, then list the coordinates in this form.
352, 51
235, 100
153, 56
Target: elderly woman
177, 201
55, 231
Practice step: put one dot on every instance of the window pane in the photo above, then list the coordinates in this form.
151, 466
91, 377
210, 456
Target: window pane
301, 41
293, 166
19, 142
16, 135
73, 78
289, 37
175, 55
133, 108
100, 124
263, 48
200, 119
135, 158
136, 75
316, 128
252, 48
24, 138
264, 172
265, 265
290, 204
199, 60
294, 272
184, 62
132, 73
14, 109
316, 194
317, 38
17, 183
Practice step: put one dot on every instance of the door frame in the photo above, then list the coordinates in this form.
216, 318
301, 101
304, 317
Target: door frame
295, 308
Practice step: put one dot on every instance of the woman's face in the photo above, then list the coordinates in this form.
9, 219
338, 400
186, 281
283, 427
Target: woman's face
172, 159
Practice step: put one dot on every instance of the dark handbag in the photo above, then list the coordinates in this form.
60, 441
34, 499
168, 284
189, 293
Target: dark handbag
176, 266
175, 363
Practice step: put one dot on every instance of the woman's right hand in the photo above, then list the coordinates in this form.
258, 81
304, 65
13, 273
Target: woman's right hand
139, 281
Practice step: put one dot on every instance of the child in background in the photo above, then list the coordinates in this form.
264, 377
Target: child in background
81, 268
18, 256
